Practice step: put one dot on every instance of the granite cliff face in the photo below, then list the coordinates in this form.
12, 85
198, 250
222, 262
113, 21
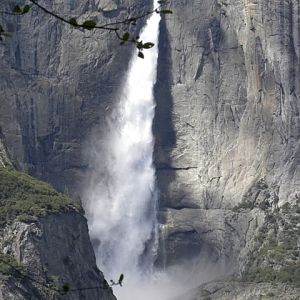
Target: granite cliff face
234, 91
57, 84
54, 251
44, 242
226, 125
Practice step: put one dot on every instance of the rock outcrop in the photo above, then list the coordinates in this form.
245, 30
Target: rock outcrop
4, 155
54, 252
45, 250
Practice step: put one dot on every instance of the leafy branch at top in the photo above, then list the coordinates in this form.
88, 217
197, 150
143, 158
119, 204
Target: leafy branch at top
90, 24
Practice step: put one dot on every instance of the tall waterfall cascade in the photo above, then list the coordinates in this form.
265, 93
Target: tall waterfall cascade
121, 203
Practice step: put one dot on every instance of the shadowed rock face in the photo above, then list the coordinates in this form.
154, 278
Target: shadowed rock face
57, 84
55, 250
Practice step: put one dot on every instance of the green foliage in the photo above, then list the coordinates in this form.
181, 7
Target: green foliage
141, 54
73, 22
66, 287
17, 9
121, 278
275, 257
166, 11
288, 274
26, 9
148, 45
126, 36
89, 24
25, 199
20, 11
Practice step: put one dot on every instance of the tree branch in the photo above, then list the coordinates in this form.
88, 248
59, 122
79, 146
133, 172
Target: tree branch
104, 27
91, 24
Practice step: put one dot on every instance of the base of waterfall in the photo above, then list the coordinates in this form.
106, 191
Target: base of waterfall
171, 283
158, 286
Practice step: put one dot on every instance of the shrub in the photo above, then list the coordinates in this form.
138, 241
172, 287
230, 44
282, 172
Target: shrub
25, 198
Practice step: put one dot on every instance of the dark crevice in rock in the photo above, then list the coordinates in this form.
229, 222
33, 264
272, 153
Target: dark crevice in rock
163, 128
168, 167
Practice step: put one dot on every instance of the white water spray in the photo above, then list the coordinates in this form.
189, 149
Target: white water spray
121, 202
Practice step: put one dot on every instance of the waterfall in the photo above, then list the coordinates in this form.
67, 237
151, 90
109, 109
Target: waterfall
121, 202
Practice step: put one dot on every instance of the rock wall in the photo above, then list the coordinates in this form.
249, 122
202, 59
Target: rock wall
58, 83
54, 251
227, 122
234, 93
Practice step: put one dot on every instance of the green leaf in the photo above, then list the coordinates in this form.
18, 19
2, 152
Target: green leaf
120, 281
26, 9
66, 287
148, 45
141, 54
89, 24
126, 36
17, 9
73, 22
139, 45
1, 29
166, 11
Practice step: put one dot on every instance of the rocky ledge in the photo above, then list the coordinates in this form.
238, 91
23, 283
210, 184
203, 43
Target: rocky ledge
225, 290
53, 260
45, 251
